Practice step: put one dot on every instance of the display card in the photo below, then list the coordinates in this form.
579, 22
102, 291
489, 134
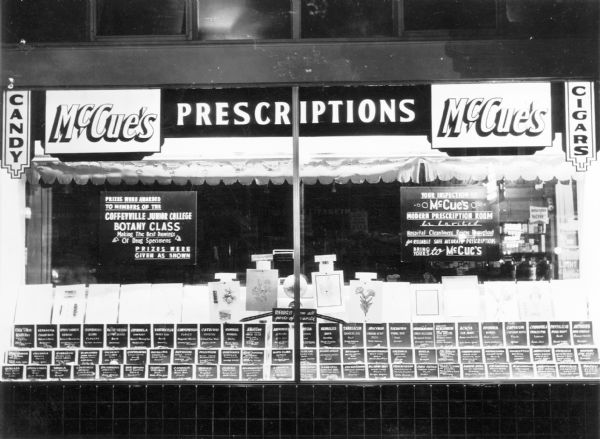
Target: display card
261, 289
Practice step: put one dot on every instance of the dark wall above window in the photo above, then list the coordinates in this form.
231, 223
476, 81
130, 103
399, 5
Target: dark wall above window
140, 17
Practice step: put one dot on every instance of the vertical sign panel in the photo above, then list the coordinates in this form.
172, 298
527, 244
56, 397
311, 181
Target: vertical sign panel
580, 127
16, 155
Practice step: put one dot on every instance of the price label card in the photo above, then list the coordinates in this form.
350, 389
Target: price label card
449, 371
112, 356
69, 336
308, 315
403, 371
498, 370
545, 370
210, 336
353, 335
163, 335
308, 372
471, 356
232, 336
252, 373
308, 356
587, 355
376, 335
354, 355
158, 371
447, 355
583, 333
354, 371
137, 356
330, 371
328, 356
41, 357
135, 372
568, 370
309, 335
206, 356
160, 356
253, 356
64, 357
516, 333
468, 334
89, 357
93, 336
12, 372
279, 372
423, 335
23, 336
542, 355
116, 336
283, 315
140, 336
521, 370
109, 371
229, 356
230, 372
400, 336
84, 372
495, 356
402, 355
560, 333
36, 372
538, 334
183, 356
427, 370
590, 370
564, 355
281, 336
282, 356
46, 336
329, 335
206, 372
445, 334
492, 334
425, 356
519, 355
187, 336
255, 335
182, 371
60, 372
17, 357
473, 371
378, 371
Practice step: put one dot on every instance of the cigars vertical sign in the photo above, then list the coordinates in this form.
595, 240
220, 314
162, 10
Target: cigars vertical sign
137, 227
449, 223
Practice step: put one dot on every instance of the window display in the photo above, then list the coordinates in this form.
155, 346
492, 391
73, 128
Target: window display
420, 256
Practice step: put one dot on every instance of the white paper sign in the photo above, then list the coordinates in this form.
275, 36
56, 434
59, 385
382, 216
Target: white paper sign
261, 289
102, 303
69, 304
227, 302
34, 304
364, 301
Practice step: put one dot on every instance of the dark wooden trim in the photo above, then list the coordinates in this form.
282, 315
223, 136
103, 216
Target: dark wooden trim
248, 64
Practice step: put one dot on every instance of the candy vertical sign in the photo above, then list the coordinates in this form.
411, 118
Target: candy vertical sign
449, 223
148, 227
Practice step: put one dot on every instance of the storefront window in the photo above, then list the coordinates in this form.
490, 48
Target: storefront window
37, 21
141, 17
347, 19
242, 19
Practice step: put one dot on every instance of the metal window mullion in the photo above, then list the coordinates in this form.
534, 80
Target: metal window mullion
296, 225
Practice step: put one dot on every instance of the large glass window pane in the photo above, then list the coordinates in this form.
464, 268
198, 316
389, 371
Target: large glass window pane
141, 17
40, 21
449, 15
347, 18
244, 19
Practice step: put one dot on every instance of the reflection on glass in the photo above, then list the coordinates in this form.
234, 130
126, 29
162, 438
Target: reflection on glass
347, 19
244, 19
44, 20
140, 17
449, 15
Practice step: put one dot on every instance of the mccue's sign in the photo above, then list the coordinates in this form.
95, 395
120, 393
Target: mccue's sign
454, 117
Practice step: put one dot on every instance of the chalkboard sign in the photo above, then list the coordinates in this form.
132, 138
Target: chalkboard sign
449, 223
145, 227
